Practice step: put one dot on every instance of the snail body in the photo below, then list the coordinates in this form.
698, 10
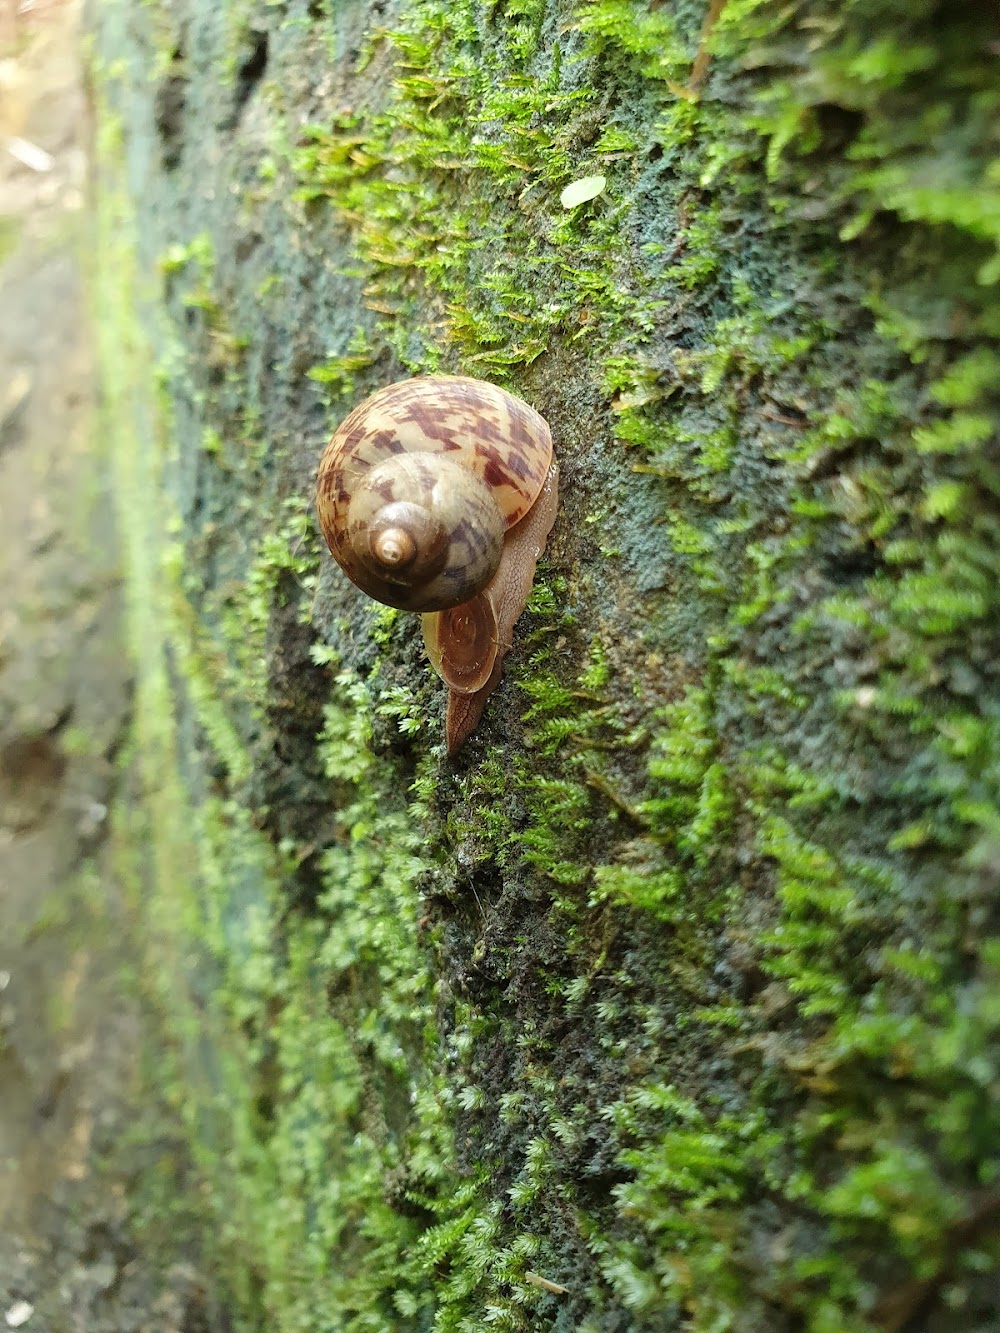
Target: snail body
437, 495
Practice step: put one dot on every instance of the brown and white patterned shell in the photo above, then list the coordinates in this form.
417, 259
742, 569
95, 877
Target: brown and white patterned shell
419, 484
438, 495
467, 644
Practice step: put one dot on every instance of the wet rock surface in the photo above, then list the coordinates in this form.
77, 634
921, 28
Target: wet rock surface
71, 1024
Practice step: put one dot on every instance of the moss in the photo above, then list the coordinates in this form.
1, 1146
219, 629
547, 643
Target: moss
677, 989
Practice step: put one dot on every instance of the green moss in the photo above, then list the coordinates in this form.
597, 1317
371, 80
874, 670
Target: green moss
680, 986
340, 372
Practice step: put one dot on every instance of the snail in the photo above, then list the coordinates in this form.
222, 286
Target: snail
437, 495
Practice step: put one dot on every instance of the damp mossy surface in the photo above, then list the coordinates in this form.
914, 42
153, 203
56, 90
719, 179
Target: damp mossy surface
674, 1002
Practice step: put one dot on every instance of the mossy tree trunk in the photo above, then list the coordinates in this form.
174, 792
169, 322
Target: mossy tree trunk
678, 990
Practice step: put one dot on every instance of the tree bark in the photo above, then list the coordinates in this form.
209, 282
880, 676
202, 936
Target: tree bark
672, 1001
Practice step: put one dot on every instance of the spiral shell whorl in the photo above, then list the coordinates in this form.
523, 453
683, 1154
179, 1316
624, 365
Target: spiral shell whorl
418, 485
422, 533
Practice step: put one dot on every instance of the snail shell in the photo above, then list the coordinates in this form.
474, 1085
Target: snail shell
467, 646
419, 484
427, 499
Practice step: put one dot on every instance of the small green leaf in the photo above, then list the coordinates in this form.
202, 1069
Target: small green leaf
582, 190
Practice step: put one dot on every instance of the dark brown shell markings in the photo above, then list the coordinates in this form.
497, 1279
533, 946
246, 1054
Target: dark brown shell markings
437, 495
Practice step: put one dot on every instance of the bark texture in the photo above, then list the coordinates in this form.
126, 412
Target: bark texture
673, 1002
